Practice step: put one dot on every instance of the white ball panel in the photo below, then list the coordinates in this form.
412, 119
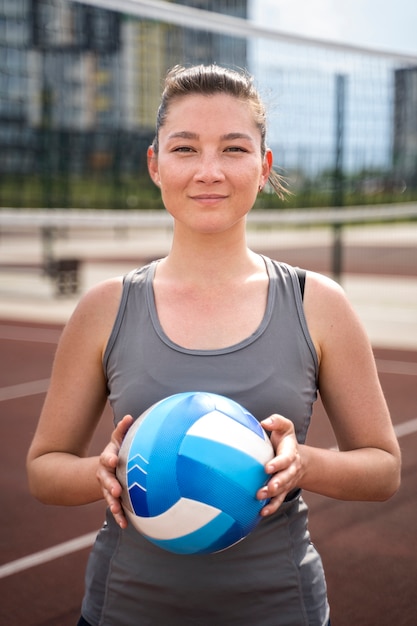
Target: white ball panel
218, 427
184, 517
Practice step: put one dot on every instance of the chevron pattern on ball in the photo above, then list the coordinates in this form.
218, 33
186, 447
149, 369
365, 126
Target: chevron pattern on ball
191, 466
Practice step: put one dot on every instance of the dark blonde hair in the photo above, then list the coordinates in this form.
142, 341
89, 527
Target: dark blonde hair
209, 80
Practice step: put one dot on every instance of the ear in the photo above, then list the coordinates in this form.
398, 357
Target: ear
266, 168
153, 166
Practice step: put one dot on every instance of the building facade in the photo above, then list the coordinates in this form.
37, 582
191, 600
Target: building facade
80, 85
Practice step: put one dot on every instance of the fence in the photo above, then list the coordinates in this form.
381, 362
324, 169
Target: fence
81, 83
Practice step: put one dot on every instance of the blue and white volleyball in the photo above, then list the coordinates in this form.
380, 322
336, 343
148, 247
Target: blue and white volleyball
190, 467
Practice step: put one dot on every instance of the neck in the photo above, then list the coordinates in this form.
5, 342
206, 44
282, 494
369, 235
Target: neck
209, 258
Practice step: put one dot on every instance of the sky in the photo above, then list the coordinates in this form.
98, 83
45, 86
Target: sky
389, 26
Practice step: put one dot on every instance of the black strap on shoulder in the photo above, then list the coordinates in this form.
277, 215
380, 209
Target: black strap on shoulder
301, 279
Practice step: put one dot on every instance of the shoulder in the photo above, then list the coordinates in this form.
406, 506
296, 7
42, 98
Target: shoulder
331, 318
94, 316
319, 285
101, 301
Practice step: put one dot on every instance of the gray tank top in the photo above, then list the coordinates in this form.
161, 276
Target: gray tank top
274, 577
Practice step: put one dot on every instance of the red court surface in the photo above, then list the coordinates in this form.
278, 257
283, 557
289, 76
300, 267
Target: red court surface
369, 549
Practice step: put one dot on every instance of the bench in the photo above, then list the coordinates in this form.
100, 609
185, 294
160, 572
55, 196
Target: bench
64, 273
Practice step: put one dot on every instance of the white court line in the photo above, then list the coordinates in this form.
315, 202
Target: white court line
406, 428
44, 556
24, 389
407, 368
29, 333
85, 541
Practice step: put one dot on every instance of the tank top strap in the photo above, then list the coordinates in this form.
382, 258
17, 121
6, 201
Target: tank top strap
127, 282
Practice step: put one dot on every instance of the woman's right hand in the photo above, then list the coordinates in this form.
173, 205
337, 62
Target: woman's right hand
106, 472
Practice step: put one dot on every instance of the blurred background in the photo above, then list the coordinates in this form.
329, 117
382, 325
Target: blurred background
80, 84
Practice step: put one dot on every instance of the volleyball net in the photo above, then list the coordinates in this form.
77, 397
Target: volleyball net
81, 83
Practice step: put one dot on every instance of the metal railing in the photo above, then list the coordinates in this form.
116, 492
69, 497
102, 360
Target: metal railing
52, 224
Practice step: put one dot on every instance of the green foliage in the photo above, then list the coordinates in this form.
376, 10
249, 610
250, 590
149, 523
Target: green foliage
93, 192
106, 191
365, 187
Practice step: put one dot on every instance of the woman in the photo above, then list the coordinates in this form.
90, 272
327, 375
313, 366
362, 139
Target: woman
214, 316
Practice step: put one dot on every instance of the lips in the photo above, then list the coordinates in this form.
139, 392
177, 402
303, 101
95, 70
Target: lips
208, 197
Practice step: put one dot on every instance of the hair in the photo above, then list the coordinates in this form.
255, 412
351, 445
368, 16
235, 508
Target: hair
210, 80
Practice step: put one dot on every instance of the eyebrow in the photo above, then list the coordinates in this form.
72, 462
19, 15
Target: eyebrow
184, 134
230, 136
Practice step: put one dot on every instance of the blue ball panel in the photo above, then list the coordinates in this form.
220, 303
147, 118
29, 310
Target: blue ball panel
138, 501
156, 442
236, 412
143, 443
239, 467
136, 485
136, 470
200, 403
216, 535
202, 483
151, 424
163, 489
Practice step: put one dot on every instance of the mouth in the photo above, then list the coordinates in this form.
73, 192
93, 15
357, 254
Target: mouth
208, 198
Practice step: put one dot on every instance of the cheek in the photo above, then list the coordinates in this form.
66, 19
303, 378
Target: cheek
172, 183
172, 172
246, 178
172, 186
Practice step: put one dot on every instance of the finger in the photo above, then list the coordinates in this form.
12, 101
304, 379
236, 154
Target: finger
118, 513
272, 505
110, 455
278, 423
283, 462
114, 504
276, 486
121, 429
110, 486
120, 520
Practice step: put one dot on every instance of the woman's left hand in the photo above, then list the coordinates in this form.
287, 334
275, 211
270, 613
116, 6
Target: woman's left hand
286, 468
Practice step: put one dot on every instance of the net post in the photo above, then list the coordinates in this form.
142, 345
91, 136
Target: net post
338, 176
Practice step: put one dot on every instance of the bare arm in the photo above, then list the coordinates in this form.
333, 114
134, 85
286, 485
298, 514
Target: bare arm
59, 470
367, 464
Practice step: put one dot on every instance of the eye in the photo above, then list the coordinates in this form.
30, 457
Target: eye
183, 149
235, 149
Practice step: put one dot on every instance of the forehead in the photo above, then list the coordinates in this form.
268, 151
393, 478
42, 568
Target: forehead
222, 110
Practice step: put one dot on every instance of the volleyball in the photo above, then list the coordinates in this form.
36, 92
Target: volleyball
190, 467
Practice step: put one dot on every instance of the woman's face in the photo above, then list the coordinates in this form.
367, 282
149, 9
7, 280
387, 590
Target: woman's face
209, 166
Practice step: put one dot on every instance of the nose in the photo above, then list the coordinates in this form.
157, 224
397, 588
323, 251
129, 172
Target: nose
209, 169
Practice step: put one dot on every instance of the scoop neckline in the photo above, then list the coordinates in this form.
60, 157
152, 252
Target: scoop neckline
199, 351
